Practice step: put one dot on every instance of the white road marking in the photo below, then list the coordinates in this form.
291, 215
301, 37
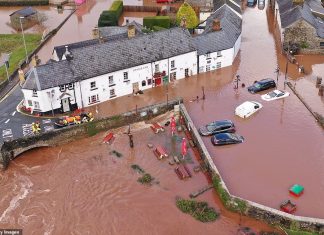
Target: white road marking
7, 120
13, 114
46, 121
7, 134
27, 130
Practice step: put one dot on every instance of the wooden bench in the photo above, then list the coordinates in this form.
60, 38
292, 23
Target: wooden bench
183, 172
109, 138
156, 127
160, 152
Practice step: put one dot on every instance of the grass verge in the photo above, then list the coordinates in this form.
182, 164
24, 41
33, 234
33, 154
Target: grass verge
14, 44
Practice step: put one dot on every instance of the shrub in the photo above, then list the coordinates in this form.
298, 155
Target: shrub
187, 12
145, 179
304, 45
110, 17
159, 21
158, 28
199, 210
91, 129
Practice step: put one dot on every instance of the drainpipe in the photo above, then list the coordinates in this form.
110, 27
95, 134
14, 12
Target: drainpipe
169, 70
82, 106
197, 63
74, 94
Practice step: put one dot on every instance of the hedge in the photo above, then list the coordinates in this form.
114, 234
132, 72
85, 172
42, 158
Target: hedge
160, 21
158, 28
110, 17
24, 2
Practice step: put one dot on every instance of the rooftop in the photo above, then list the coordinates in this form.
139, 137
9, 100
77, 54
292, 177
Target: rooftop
27, 11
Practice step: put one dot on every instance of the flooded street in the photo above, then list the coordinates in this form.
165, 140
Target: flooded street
82, 188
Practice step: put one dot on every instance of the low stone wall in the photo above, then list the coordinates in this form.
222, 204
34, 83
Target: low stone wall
11, 149
269, 215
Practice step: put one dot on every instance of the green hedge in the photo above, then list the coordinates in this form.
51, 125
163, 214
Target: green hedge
23, 2
160, 21
110, 17
158, 28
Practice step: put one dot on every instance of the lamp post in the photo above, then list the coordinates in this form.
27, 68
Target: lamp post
237, 81
203, 92
277, 71
22, 30
288, 54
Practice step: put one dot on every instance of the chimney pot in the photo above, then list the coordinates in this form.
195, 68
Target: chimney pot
131, 31
216, 25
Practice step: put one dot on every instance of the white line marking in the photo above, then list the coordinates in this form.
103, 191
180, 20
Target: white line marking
48, 128
46, 121
7, 132
27, 129
7, 120
13, 114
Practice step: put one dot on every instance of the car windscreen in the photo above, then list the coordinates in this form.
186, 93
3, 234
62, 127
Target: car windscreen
210, 127
272, 94
257, 85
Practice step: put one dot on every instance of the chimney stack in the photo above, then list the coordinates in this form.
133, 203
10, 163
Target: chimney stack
96, 32
298, 2
183, 23
68, 54
131, 31
216, 25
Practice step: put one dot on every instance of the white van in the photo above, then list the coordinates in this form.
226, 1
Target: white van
248, 108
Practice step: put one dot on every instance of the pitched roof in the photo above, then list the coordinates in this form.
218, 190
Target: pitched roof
97, 59
50, 75
234, 4
109, 33
212, 41
296, 13
27, 11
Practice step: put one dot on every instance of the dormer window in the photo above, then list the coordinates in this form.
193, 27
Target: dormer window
62, 88
93, 86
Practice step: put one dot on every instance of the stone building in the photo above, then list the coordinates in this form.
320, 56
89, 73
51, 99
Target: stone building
29, 18
299, 25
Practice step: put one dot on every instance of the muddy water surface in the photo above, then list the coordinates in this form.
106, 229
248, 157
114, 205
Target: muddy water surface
82, 188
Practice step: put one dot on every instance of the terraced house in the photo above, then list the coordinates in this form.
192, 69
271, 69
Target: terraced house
127, 61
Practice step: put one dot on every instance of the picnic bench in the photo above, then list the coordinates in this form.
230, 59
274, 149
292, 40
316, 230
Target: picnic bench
160, 152
109, 138
182, 172
156, 128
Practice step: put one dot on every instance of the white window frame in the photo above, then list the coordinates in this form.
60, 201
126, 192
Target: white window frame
157, 68
125, 76
207, 67
35, 93
219, 53
93, 85
93, 99
111, 80
218, 65
36, 105
172, 64
112, 93
30, 103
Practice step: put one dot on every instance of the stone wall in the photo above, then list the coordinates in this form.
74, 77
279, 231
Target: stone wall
11, 149
305, 35
269, 215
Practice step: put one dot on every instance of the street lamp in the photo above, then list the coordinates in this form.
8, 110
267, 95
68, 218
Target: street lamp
237, 81
277, 71
22, 30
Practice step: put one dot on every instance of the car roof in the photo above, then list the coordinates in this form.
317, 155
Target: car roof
266, 80
223, 122
222, 136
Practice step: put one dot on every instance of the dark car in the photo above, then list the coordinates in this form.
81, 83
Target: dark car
262, 85
217, 127
251, 3
226, 138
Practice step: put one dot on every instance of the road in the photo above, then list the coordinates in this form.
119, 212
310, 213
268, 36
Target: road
14, 124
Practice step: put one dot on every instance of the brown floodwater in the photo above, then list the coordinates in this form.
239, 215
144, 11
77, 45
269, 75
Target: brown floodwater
81, 188
48, 15
134, 16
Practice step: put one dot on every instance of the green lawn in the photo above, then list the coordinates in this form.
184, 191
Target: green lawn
14, 44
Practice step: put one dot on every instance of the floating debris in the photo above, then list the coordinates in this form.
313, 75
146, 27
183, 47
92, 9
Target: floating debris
145, 179
197, 168
200, 191
150, 145
137, 168
117, 154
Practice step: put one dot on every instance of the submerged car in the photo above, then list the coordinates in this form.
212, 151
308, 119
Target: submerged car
226, 138
274, 95
262, 85
248, 108
217, 127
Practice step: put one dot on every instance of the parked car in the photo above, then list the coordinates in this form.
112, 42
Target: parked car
262, 85
226, 138
261, 4
251, 3
217, 127
248, 108
274, 95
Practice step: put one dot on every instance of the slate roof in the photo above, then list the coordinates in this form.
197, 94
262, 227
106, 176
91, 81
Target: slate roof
121, 31
50, 75
212, 41
234, 4
95, 60
27, 11
110, 33
291, 13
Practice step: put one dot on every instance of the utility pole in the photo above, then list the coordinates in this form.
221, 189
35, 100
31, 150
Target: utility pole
277, 71
203, 91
